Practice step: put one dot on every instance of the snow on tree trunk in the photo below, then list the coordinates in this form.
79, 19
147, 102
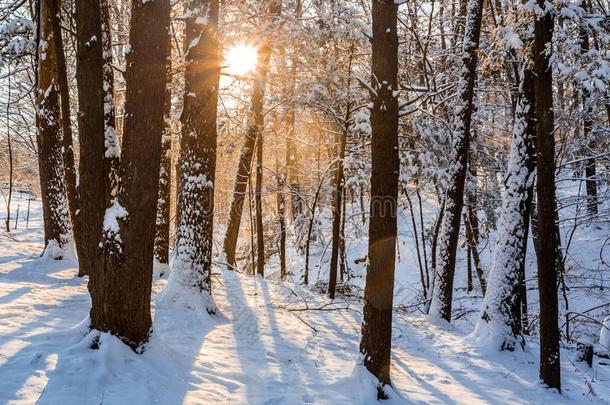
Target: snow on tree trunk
197, 161
440, 306
49, 139
111, 142
161, 249
66, 127
163, 202
500, 325
375, 346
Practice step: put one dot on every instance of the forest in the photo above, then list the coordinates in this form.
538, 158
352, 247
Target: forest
304, 201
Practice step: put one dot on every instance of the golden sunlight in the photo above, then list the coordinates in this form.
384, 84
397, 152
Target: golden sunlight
241, 59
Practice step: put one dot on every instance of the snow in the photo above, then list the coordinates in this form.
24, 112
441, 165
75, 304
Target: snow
604, 334
112, 216
262, 346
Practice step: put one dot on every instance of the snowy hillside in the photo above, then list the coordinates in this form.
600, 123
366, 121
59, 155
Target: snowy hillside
268, 343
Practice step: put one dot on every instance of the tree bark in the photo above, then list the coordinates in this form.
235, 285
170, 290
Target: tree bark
375, 345
50, 147
454, 198
471, 241
550, 370
162, 223
281, 213
92, 171
130, 221
66, 127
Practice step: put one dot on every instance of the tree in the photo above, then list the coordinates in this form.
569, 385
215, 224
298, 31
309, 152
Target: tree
590, 169
50, 149
500, 321
92, 170
339, 186
454, 196
255, 131
162, 224
163, 203
197, 161
550, 366
66, 127
130, 222
375, 345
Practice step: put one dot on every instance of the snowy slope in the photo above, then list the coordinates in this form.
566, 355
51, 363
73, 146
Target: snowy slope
262, 347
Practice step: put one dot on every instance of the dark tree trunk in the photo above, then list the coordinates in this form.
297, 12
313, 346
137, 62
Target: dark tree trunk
197, 162
281, 213
454, 198
343, 269
258, 205
339, 187
92, 171
128, 270
9, 145
247, 151
50, 148
66, 127
434, 243
550, 370
590, 170
471, 241
376, 342
469, 286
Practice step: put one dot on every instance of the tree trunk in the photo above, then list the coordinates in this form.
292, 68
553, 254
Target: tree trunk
590, 170
454, 198
375, 345
92, 171
66, 127
258, 205
471, 241
550, 370
163, 200
247, 151
130, 221
9, 145
291, 148
197, 162
111, 141
339, 186
500, 322
50, 148
337, 213
281, 213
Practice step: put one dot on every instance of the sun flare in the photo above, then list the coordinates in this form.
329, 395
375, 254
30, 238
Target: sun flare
241, 60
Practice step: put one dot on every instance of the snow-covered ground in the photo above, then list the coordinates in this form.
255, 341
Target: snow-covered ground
269, 343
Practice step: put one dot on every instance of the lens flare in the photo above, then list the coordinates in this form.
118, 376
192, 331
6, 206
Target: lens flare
240, 60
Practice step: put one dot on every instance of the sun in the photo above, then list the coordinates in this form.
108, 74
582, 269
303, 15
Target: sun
241, 59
